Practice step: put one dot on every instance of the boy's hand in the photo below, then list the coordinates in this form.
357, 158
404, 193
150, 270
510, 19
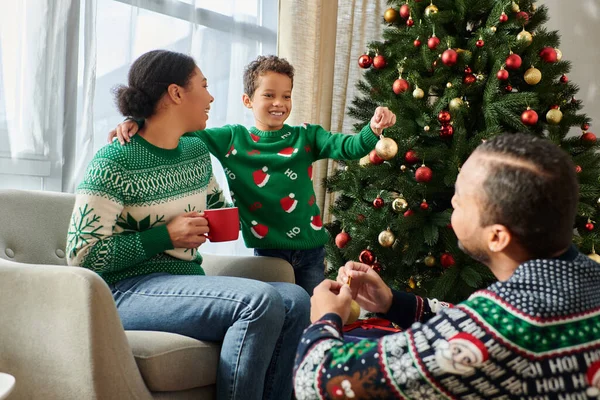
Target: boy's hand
382, 118
124, 131
330, 297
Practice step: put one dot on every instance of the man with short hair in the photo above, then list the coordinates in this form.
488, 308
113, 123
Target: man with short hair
536, 332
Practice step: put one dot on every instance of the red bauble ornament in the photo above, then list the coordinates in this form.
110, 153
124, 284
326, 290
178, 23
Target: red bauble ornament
480, 43
411, 157
342, 239
377, 268
424, 205
589, 226
366, 257
502, 74
503, 17
513, 61
548, 54
423, 174
446, 131
468, 70
449, 57
379, 62
378, 202
508, 88
564, 79
529, 117
408, 213
365, 61
417, 43
410, 22
585, 127
405, 11
555, 107
578, 169
469, 79
374, 158
523, 17
444, 117
447, 260
433, 42
400, 86
588, 138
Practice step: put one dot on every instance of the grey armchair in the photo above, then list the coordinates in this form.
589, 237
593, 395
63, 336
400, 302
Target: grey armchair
60, 333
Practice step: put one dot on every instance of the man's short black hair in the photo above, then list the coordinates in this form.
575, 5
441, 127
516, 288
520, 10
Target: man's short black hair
532, 189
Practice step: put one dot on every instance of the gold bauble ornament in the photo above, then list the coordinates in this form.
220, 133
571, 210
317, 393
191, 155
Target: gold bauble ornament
363, 162
386, 148
403, 168
554, 116
411, 283
418, 93
515, 7
386, 238
391, 15
455, 104
493, 29
429, 261
533, 76
525, 37
426, 128
558, 54
480, 77
594, 256
431, 10
449, 85
399, 205
354, 312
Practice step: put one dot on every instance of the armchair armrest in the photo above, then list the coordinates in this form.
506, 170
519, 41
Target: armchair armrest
266, 269
61, 335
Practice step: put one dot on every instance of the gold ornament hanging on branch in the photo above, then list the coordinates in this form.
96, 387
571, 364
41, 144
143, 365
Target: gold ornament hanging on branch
533, 76
455, 104
390, 16
525, 37
386, 238
399, 205
386, 148
429, 260
594, 256
431, 9
554, 116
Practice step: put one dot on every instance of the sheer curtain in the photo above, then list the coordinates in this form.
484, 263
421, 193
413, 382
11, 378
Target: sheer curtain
60, 59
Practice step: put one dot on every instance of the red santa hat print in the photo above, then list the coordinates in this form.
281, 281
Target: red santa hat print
315, 223
593, 377
255, 138
259, 230
261, 177
310, 171
288, 203
231, 151
287, 152
473, 345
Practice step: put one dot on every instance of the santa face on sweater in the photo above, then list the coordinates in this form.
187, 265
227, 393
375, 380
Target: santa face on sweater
271, 103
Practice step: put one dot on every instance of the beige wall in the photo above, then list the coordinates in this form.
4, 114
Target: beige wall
578, 23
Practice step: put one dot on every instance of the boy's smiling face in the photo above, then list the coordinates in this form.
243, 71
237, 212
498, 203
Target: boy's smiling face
271, 103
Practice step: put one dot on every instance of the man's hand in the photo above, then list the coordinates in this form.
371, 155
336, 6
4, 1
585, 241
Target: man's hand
123, 132
382, 118
330, 297
368, 289
188, 230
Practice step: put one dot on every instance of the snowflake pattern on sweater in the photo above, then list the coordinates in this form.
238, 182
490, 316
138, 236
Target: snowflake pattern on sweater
534, 336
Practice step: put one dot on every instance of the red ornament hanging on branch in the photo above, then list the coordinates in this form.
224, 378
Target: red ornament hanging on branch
503, 17
424, 206
523, 17
588, 138
548, 54
444, 117
410, 22
374, 158
417, 43
378, 202
379, 62
400, 85
365, 61
366, 257
446, 131
589, 226
423, 174
502, 74
433, 42
449, 57
411, 157
564, 79
513, 61
447, 260
469, 79
480, 43
529, 117
342, 239
405, 11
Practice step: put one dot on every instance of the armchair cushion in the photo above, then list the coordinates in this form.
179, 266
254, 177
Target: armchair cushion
171, 362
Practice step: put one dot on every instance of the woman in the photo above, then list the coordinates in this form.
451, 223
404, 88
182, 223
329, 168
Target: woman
137, 223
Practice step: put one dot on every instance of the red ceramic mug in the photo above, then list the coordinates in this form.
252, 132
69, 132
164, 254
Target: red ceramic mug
224, 224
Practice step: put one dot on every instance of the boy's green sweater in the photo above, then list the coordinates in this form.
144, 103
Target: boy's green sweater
270, 178
128, 195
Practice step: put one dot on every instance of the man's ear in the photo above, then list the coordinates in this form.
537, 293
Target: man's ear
175, 93
247, 101
499, 238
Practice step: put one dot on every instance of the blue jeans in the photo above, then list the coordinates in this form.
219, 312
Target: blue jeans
259, 324
309, 265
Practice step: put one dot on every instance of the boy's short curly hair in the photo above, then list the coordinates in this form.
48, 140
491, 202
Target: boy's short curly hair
261, 66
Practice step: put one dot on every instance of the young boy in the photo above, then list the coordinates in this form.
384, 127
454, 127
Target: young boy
269, 168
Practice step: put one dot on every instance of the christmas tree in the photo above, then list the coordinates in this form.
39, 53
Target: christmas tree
455, 72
